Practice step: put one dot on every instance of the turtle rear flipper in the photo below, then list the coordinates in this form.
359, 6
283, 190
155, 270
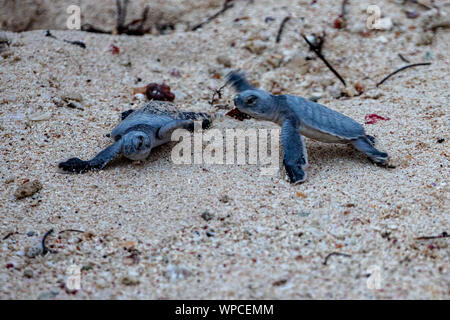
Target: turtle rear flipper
77, 165
364, 144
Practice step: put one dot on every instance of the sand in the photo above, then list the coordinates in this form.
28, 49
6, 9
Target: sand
144, 236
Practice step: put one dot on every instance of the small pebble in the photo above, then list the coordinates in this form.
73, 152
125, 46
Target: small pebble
225, 61
10, 180
47, 295
303, 214
40, 116
30, 233
207, 216
28, 273
28, 189
412, 14
130, 281
225, 199
72, 96
32, 252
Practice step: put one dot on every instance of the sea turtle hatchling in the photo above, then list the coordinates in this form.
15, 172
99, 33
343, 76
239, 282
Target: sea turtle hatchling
297, 117
139, 132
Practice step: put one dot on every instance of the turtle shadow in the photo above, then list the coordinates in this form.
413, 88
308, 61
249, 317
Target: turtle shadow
157, 154
328, 155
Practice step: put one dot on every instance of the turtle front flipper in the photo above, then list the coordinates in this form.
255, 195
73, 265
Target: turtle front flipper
77, 165
295, 155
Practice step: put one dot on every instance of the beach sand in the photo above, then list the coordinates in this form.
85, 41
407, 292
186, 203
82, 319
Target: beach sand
144, 236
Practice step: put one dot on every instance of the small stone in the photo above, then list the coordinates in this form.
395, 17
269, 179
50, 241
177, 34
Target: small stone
275, 60
316, 96
140, 97
303, 214
225, 61
47, 295
412, 14
32, 252
58, 102
72, 96
256, 47
75, 105
301, 195
28, 273
176, 272
429, 55
384, 24
28, 189
40, 116
373, 94
10, 179
30, 233
130, 281
382, 39
207, 216
225, 198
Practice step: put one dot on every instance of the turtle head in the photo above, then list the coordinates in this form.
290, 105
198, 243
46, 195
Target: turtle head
256, 103
250, 100
136, 145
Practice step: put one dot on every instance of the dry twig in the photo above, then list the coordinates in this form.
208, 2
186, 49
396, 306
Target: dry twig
280, 30
403, 68
228, 4
319, 54
335, 254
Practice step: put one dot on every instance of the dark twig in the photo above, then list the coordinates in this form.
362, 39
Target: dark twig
121, 13
70, 230
121, 27
403, 58
335, 254
44, 238
228, 4
90, 28
420, 4
319, 54
76, 43
280, 30
49, 34
344, 8
403, 68
9, 235
443, 235
217, 92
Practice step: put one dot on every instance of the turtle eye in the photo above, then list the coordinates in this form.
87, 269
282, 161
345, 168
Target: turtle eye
251, 100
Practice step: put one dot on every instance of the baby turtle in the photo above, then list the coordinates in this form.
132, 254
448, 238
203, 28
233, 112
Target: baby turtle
139, 132
298, 116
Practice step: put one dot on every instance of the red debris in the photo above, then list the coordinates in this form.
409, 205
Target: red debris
175, 73
338, 23
114, 49
373, 118
159, 92
9, 266
235, 113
